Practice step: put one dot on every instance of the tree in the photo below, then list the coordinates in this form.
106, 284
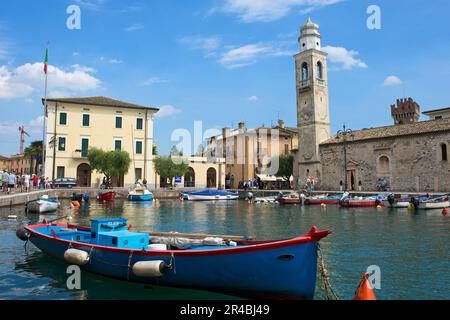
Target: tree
109, 163
155, 150
285, 167
34, 151
167, 168
175, 152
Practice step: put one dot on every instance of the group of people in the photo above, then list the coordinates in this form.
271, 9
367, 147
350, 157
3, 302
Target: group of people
13, 182
256, 183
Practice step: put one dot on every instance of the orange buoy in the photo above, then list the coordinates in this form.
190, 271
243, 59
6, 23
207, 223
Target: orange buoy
445, 212
75, 204
364, 290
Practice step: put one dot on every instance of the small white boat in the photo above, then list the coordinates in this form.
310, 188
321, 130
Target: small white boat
433, 205
140, 194
397, 203
43, 204
211, 195
273, 199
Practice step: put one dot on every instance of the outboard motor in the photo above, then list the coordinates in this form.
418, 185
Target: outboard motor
391, 199
415, 202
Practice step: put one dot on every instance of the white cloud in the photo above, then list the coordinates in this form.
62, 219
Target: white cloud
392, 81
167, 111
81, 68
270, 10
134, 27
253, 99
342, 58
34, 126
91, 4
199, 42
110, 60
75, 54
27, 79
153, 80
249, 54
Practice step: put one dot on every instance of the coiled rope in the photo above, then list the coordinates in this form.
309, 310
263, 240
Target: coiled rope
330, 293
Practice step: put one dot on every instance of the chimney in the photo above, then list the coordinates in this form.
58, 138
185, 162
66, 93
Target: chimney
281, 124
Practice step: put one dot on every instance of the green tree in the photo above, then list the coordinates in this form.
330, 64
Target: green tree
34, 152
155, 150
166, 167
109, 163
285, 167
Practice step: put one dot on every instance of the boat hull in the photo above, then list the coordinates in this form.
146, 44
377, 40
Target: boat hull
272, 269
320, 201
80, 197
397, 204
107, 196
359, 203
42, 206
191, 197
289, 201
140, 197
433, 205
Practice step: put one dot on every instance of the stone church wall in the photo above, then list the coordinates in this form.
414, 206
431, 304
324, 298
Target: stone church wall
414, 163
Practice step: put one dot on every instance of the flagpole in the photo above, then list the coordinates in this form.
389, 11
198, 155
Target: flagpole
44, 134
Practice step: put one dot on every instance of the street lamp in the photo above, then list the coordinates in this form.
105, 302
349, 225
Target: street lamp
343, 134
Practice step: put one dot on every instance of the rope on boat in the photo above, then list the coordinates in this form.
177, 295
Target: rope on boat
330, 293
129, 265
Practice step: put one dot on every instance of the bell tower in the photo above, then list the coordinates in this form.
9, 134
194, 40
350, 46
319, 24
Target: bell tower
313, 116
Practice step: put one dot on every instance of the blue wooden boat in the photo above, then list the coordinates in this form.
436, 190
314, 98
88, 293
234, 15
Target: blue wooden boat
80, 197
278, 269
140, 194
211, 195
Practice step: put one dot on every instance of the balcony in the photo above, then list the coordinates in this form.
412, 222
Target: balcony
304, 85
80, 154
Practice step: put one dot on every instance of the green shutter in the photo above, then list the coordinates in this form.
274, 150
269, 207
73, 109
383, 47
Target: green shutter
84, 147
62, 144
86, 120
138, 147
139, 124
118, 145
119, 122
63, 118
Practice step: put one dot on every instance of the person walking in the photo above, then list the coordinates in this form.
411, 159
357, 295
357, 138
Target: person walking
35, 182
11, 182
26, 182
4, 181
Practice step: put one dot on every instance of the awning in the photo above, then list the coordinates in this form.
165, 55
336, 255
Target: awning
267, 178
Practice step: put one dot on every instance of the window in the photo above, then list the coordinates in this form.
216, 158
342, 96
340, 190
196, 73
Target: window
319, 70
138, 147
139, 124
84, 147
305, 75
438, 118
444, 152
118, 122
63, 118
286, 149
118, 145
138, 174
60, 172
61, 144
86, 120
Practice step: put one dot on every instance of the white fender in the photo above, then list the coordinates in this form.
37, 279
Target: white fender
149, 268
76, 257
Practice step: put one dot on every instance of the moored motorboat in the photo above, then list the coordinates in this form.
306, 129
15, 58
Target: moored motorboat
431, 202
43, 204
107, 196
140, 194
393, 202
269, 269
291, 199
324, 199
360, 202
211, 195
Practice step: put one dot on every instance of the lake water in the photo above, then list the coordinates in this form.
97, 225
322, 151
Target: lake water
411, 249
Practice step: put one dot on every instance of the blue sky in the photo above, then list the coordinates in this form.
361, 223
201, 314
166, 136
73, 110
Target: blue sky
220, 61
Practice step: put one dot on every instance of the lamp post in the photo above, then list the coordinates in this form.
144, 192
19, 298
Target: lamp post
343, 134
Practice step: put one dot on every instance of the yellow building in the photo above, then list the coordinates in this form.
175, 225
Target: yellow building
5, 163
73, 125
248, 152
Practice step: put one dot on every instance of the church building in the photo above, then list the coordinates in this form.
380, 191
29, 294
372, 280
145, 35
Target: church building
411, 155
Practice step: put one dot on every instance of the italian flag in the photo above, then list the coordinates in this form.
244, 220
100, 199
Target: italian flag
46, 61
